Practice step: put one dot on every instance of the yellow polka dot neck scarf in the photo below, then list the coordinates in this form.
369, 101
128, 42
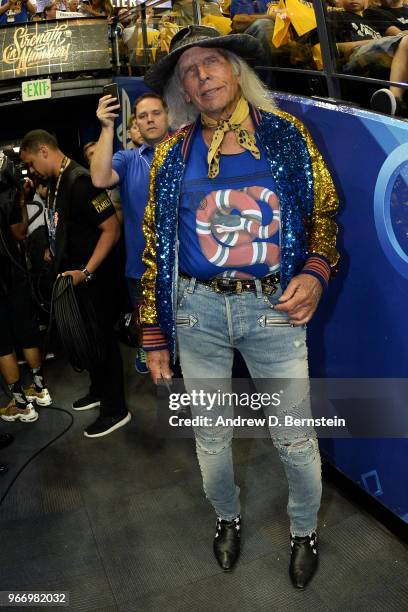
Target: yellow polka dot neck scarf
233, 124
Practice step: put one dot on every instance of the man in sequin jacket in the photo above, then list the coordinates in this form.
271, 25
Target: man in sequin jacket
240, 239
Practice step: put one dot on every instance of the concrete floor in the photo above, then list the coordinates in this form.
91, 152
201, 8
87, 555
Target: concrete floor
121, 522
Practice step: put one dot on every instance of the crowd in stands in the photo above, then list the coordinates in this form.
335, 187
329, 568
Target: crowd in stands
21, 11
368, 35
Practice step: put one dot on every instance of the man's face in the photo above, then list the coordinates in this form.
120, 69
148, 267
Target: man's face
209, 81
88, 153
135, 135
152, 120
73, 5
353, 6
52, 12
38, 162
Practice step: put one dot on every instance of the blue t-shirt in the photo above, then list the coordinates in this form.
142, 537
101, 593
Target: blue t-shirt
248, 7
20, 16
133, 168
228, 226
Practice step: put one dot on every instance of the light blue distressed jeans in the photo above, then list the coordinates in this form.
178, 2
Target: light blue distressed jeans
209, 327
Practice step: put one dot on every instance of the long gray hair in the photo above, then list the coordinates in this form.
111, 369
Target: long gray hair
252, 88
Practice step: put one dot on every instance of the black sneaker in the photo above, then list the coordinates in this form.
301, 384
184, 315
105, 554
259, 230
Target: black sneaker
385, 102
106, 425
87, 402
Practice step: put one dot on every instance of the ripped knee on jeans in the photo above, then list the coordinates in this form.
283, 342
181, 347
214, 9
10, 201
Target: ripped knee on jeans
300, 452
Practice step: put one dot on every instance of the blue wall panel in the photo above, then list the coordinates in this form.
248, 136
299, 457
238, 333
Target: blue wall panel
361, 327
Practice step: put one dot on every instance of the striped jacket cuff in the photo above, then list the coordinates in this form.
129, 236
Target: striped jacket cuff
318, 266
153, 338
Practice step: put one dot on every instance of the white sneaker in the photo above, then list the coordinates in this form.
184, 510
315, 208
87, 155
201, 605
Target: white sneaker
13, 412
41, 398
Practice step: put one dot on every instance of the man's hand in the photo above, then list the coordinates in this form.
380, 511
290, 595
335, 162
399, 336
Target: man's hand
300, 298
47, 256
27, 186
158, 363
105, 111
77, 276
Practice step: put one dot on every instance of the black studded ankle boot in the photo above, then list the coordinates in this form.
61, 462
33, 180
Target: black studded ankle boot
227, 542
304, 560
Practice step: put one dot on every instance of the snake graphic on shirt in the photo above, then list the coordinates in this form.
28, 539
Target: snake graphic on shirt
231, 240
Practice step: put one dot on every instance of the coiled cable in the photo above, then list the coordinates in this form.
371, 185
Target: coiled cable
80, 335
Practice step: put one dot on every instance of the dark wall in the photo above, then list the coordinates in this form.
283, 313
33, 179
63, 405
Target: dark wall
72, 120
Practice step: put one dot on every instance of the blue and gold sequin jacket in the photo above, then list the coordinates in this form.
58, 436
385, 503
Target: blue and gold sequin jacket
308, 203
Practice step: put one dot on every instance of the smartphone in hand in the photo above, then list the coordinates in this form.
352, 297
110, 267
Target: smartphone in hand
111, 89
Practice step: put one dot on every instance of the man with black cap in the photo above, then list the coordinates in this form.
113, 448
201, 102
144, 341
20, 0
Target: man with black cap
240, 240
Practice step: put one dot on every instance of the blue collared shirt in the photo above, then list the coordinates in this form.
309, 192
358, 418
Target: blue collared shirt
133, 168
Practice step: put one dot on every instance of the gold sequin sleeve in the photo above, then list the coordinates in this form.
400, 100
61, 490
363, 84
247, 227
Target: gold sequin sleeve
323, 230
148, 310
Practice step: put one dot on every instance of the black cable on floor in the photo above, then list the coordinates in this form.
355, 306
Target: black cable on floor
3, 497
77, 340
81, 340
68, 318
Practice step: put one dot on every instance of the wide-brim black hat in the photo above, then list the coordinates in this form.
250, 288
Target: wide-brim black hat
244, 45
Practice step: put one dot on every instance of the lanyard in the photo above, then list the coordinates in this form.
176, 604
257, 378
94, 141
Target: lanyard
64, 165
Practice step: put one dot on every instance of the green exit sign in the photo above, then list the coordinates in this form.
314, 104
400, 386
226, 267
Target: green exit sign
36, 90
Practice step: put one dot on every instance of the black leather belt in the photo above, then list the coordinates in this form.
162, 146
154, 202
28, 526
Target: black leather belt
269, 284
